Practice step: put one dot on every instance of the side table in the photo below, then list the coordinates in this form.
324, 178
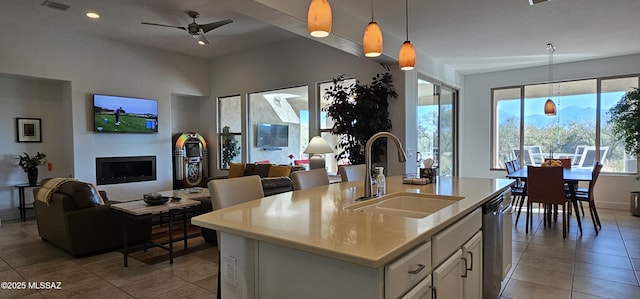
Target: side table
21, 204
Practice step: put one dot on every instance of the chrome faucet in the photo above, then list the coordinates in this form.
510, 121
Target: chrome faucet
367, 158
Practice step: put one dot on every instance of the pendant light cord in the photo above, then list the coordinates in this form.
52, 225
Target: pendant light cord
406, 17
371, 10
551, 49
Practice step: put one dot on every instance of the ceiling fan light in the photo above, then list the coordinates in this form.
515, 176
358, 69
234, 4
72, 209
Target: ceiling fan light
372, 40
549, 107
407, 56
319, 18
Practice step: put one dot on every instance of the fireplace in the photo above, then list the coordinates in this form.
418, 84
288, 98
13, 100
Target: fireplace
117, 170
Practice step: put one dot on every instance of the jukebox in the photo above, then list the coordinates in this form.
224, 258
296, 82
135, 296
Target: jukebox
190, 162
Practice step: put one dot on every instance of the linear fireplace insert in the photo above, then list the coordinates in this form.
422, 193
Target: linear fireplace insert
117, 170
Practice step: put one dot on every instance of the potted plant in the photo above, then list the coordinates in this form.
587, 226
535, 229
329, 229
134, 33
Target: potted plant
359, 111
230, 148
625, 117
30, 165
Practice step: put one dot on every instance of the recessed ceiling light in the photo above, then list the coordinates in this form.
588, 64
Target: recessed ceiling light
93, 15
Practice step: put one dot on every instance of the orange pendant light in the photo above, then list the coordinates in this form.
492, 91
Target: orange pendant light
319, 18
372, 40
549, 107
407, 55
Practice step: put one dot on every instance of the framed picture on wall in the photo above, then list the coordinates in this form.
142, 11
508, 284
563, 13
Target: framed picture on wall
28, 130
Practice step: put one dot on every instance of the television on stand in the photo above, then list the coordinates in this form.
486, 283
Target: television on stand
117, 114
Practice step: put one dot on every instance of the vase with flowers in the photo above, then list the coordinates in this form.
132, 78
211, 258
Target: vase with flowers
291, 156
30, 165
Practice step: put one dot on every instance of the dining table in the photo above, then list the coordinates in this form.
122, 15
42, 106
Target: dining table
571, 176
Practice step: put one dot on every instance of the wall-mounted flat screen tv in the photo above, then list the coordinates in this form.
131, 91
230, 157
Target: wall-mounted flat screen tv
115, 114
272, 135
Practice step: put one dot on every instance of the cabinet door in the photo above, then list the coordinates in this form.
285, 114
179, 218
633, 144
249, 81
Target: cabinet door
447, 278
472, 257
421, 291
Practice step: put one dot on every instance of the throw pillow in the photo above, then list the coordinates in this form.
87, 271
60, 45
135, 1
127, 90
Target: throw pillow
279, 170
236, 170
262, 170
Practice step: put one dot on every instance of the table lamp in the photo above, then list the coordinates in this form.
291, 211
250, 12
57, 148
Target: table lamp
317, 146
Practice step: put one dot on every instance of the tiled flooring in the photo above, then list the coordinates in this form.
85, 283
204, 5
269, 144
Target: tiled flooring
582, 266
545, 265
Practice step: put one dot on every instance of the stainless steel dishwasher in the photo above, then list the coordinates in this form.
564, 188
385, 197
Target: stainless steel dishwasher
492, 247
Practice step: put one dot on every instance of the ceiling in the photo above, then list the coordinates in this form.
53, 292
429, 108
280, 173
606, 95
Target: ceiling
467, 36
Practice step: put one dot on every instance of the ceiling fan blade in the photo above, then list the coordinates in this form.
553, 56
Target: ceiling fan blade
154, 24
208, 27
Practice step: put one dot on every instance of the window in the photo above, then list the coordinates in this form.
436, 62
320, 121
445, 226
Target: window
230, 117
326, 123
287, 111
579, 130
436, 125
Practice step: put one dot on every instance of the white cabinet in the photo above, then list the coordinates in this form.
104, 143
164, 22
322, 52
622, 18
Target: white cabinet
472, 257
422, 290
408, 271
447, 278
457, 251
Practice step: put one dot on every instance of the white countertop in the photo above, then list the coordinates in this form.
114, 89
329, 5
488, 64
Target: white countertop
315, 220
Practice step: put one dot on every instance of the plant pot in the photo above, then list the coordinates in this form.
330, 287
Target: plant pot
32, 175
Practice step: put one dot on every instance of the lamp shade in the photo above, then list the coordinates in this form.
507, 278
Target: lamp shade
372, 40
407, 56
318, 145
549, 107
319, 18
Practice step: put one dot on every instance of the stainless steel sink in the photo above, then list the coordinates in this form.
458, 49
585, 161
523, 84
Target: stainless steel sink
405, 204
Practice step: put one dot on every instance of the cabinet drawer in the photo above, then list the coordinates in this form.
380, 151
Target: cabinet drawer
404, 273
452, 238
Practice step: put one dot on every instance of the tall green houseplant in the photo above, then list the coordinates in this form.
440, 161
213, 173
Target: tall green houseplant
359, 111
625, 117
230, 148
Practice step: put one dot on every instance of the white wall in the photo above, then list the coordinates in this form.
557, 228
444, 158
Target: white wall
89, 65
475, 118
29, 98
291, 63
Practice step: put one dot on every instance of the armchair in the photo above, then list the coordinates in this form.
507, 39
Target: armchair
70, 221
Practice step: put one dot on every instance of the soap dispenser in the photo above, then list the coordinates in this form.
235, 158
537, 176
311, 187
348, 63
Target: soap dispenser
380, 181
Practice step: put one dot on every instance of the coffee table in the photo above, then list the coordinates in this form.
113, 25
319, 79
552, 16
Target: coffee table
138, 209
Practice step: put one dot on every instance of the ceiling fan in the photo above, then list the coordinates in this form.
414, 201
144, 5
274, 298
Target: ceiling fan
196, 30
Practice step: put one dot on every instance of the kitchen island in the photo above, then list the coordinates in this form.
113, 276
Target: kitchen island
311, 243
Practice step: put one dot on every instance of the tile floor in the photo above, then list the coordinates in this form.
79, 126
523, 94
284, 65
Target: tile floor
544, 265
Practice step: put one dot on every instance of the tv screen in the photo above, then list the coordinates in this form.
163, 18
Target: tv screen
272, 135
114, 114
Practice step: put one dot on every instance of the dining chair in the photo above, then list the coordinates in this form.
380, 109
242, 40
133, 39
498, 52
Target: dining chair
229, 192
546, 185
350, 173
517, 190
587, 194
309, 179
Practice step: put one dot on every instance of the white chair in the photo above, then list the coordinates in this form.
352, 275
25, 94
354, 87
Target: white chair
350, 173
228, 192
309, 179
535, 154
577, 155
588, 157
